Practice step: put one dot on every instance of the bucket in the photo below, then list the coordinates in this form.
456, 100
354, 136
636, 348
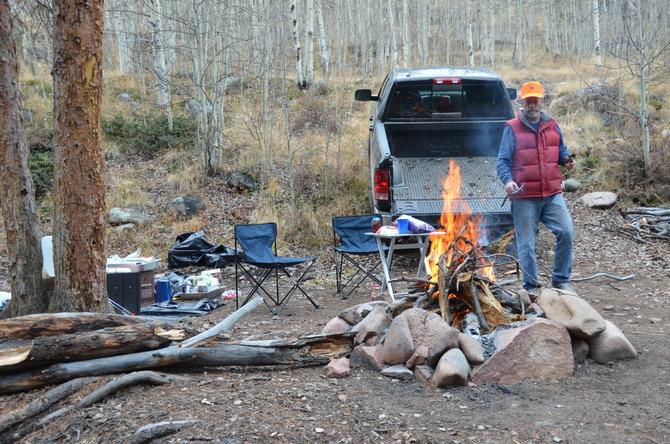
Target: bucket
163, 290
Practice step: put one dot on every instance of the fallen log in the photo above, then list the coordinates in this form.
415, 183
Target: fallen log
102, 392
42, 403
150, 432
224, 325
52, 324
22, 355
312, 350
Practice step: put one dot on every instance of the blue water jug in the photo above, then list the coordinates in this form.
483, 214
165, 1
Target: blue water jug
164, 290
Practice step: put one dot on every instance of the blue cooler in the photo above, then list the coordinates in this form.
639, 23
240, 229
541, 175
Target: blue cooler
164, 290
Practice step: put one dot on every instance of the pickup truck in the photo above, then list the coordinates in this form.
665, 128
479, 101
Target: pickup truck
422, 119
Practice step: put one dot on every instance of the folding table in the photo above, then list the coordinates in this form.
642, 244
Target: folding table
419, 241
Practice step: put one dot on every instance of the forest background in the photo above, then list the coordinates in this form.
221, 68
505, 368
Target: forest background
194, 91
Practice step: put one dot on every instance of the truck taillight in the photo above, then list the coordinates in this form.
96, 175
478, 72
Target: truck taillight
382, 184
447, 81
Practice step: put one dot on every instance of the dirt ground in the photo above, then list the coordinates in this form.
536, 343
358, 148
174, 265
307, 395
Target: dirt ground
623, 402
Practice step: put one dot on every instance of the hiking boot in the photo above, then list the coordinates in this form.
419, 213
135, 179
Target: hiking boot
564, 287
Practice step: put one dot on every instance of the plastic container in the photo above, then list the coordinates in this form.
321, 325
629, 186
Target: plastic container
164, 290
376, 223
403, 226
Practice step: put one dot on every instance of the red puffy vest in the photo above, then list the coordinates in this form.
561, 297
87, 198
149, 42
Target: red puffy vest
535, 161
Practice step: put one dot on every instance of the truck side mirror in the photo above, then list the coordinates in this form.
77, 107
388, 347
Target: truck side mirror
364, 95
511, 92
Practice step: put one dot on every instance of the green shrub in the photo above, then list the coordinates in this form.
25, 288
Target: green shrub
41, 163
148, 135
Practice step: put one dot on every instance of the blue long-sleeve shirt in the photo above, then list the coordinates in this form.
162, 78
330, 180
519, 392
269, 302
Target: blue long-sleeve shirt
506, 152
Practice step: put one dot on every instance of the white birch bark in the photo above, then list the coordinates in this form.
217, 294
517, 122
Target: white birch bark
324, 47
300, 77
596, 33
309, 44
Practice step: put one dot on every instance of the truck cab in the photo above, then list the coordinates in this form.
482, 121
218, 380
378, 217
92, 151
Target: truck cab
422, 119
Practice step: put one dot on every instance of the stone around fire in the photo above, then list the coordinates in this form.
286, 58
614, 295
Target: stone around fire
531, 350
398, 343
431, 330
610, 345
574, 313
452, 369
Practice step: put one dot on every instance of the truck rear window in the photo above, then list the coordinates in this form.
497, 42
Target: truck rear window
471, 99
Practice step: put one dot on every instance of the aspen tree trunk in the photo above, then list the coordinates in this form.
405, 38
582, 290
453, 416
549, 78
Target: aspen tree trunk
17, 196
393, 30
517, 56
405, 33
490, 34
644, 117
596, 33
161, 81
324, 47
309, 47
79, 214
124, 30
300, 77
469, 24
424, 31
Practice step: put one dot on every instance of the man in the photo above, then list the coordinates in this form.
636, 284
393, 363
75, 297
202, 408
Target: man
531, 151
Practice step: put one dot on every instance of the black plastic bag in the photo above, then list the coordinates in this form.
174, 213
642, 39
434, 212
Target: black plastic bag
192, 249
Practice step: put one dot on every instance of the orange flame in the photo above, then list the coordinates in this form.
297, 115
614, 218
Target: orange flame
457, 224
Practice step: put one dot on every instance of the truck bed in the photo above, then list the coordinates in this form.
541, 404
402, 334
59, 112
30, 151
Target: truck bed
417, 185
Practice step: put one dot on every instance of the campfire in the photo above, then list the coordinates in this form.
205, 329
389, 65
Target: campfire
461, 273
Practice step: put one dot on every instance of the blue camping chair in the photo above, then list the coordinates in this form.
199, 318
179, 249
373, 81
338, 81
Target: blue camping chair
259, 251
358, 249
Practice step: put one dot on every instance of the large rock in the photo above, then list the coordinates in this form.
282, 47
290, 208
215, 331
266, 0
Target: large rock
335, 326
573, 312
185, 207
580, 350
370, 329
242, 182
610, 345
398, 372
532, 350
452, 369
418, 357
398, 343
355, 314
424, 373
471, 348
366, 356
337, 368
599, 199
138, 215
431, 330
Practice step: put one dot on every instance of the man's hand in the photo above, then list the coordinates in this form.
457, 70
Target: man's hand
570, 163
511, 187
